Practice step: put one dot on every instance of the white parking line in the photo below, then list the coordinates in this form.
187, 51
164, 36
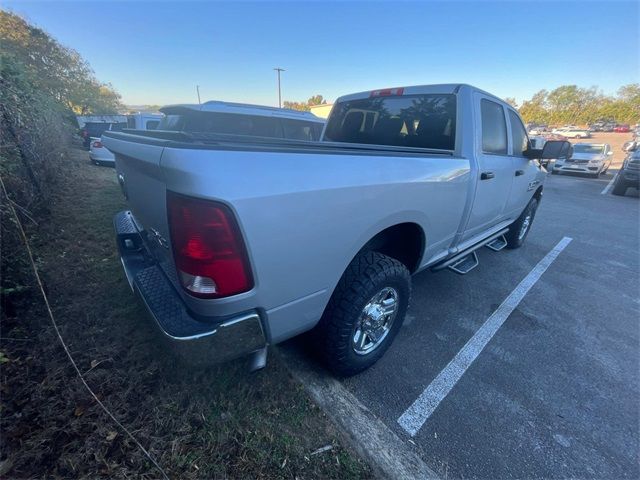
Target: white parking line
609, 185
419, 412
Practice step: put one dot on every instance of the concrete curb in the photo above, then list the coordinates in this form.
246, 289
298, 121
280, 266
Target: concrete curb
381, 448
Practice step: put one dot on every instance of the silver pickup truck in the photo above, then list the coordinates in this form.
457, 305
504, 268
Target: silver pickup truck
234, 243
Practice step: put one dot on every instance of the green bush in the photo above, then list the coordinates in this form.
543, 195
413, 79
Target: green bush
42, 86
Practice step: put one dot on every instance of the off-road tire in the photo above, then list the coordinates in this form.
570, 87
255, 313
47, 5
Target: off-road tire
514, 240
620, 186
366, 275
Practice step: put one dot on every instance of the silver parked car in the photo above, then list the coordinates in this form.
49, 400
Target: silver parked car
590, 158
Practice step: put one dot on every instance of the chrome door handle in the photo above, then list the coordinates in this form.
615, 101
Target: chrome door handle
487, 175
519, 172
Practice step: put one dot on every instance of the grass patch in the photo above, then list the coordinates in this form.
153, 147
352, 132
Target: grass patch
220, 422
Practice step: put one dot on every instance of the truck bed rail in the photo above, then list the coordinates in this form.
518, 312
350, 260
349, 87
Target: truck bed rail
215, 141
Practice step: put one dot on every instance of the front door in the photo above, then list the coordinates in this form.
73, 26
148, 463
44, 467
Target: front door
525, 171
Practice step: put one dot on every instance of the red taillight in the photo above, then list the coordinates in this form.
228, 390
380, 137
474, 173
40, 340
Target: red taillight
386, 92
97, 144
207, 245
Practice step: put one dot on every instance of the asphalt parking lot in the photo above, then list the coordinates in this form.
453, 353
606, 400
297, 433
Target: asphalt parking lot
555, 391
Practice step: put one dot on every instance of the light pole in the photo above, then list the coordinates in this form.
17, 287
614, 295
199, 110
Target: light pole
278, 69
198, 90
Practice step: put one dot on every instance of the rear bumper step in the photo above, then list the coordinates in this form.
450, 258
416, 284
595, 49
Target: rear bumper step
198, 342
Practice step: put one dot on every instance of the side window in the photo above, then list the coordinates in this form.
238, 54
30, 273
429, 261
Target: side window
519, 138
494, 128
152, 124
265, 127
301, 130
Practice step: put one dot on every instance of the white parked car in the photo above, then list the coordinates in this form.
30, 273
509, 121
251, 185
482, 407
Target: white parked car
540, 130
572, 132
139, 121
590, 158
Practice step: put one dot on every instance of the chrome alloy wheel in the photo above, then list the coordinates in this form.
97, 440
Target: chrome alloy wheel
525, 226
375, 321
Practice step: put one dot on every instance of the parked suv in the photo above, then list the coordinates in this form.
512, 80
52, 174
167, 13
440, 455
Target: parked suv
629, 174
589, 158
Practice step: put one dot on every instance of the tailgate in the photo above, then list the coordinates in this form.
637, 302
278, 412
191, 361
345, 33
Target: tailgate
143, 184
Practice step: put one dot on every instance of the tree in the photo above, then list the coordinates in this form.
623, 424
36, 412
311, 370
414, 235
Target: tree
629, 98
535, 110
305, 106
573, 104
511, 101
59, 71
316, 100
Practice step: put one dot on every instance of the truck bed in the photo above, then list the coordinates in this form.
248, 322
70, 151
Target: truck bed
304, 208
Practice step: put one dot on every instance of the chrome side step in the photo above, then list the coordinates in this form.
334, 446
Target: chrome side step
465, 261
465, 264
497, 244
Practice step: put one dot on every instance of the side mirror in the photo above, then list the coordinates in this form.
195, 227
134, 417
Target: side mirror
556, 149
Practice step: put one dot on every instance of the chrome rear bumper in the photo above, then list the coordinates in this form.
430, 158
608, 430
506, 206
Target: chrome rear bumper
197, 340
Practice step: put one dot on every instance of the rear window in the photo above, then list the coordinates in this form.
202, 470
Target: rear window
236, 124
423, 121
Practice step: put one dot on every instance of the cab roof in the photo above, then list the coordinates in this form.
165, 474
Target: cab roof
216, 106
442, 88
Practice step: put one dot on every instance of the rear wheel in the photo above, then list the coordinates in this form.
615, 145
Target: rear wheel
620, 186
364, 313
519, 229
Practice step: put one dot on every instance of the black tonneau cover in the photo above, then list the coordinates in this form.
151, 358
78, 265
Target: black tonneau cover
216, 141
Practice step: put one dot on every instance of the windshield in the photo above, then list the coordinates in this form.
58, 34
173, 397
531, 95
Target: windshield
424, 121
592, 149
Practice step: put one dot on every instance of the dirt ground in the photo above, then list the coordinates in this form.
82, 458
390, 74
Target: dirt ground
220, 422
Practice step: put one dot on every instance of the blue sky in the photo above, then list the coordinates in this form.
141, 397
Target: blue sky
157, 52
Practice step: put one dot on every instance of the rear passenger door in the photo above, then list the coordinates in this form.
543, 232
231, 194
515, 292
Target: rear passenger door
495, 173
524, 171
